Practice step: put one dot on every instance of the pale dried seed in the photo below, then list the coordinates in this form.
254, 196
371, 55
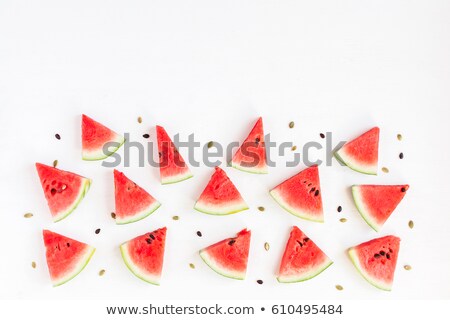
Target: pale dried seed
294, 148
101, 272
175, 218
411, 224
339, 287
407, 267
291, 124
33, 265
55, 163
266, 246
139, 119
113, 215
192, 266
343, 220
28, 215
399, 137
210, 144
261, 209
385, 170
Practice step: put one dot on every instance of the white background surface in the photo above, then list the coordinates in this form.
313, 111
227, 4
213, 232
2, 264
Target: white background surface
211, 68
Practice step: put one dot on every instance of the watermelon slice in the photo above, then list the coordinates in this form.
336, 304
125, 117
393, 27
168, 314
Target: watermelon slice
144, 255
94, 136
220, 196
63, 190
66, 257
301, 195
229, 257
172, 167
376, 260
376, 203
251, 156
361, 154
132, 202
302, 259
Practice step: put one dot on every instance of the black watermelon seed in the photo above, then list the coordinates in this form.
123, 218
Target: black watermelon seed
199, 233
316, 193
388, 256
301, 244
152, 236
160, 154
403, 189
339, 209
322, 136
390, 250
376, 256
382, 252
57, 136
146, 136
68, 244
259, 281
97, 231
257, 140
53, 191
312, 189
149, 241
400, 155
306, 239
231, 242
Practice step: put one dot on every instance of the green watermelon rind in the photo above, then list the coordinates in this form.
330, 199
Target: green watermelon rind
378, 284
81, 265
241, 206
99, 154
222, 271
363, 211
135, 269
254, 170
285, 206
177, 178
83, 190
312, 274
141, 215
352, 164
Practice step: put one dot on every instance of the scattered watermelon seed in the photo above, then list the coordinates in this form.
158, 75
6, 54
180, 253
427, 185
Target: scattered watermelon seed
149, 241
101, 272
152, 236
28, 215
146, 136
139, 119
192, 266
33, 265
385, 170
261, 209
113, 215
376, 256
388, 256
407, 267
339, 209
259, 281
266, 246
55, 163
403, 189
199, 233
210, 144
399, 137
294, 148
400, 155
339, 287
57, 136
175, 218
343, 220
316, 193
231, 242
291, 124
411, 224
97, 231
322, 136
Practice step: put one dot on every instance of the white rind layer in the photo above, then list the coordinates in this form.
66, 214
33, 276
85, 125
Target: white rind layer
307, 215
177, 178
220, 269
353, 163
136, 270
83, 190
82, 263
307, 275
363, 210
375, 282
256, 170
93, 155
221, 210
139, 216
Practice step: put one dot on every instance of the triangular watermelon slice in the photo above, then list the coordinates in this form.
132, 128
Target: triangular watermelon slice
66, 257
220, 196
132, 202
63, 190
302, 259
376, 203
361, 154
376, 260
94, 136
172, 167
301, 195
251, 156
144, 255
229, 257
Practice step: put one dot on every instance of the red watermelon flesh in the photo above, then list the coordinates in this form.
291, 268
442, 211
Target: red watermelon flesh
144, 255
94, 136
220, 196
229, 257
63, 190
376, 260
172, 167
301, 195
133, 203
361, 154
251, 156
376, 203
66, 257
